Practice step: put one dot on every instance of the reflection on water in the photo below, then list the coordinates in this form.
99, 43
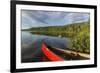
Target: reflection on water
31, 46
28, 38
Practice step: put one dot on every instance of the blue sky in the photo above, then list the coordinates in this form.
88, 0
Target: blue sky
37, 18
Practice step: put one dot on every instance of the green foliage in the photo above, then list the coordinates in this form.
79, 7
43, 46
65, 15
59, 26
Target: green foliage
81, 40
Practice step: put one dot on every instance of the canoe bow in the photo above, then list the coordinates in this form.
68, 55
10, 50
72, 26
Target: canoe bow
49, 54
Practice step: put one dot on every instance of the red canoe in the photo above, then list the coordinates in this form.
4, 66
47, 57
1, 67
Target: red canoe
50, 55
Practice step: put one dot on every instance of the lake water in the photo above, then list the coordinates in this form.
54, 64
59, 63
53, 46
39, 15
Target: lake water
31, 45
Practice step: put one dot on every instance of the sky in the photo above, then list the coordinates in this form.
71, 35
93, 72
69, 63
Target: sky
37, 18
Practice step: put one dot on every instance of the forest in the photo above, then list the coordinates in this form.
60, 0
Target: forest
79, 34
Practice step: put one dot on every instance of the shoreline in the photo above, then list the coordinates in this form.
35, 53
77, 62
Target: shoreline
73, 53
